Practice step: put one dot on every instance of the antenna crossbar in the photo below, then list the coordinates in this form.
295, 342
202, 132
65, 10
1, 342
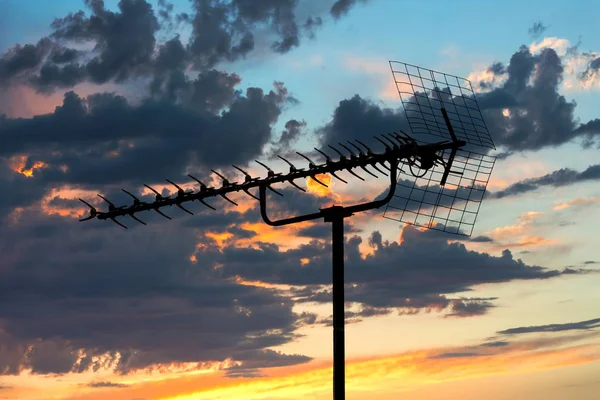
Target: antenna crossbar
399, 148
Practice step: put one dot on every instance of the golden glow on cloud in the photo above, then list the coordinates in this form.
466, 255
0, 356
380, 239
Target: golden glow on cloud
67, 193
240, 281
520, 235
220, 238
19, 163
316, 188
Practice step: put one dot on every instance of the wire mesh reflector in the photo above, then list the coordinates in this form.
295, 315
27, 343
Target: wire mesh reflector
452, 208
425, 92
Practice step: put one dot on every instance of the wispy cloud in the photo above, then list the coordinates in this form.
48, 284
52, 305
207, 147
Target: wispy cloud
558, 178
579, 202
581, 325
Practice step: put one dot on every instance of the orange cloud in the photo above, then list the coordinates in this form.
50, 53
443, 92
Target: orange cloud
582, 201
241, 281
521, 235
65, 192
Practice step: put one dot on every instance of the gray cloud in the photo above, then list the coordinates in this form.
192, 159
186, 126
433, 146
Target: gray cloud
81, 135
294, 129
503, 347
359, 118
590, 131
254, 361
125, 42
561, 177
342, 7
17, 190
21, 59
456, 355
578, 326
539, 116
417, 275
352, 317
105, 384
104, 302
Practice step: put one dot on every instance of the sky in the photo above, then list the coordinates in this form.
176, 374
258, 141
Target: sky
96, 96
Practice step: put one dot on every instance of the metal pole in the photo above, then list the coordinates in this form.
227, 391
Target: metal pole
337, 242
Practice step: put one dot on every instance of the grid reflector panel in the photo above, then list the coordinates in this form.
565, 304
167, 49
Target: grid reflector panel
452, 208
425, 92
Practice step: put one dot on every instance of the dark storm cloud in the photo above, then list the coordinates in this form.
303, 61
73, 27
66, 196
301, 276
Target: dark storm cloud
85, 134
359, 118
537, 29
110, 291
63, 56
125, 41
294, 129
195, 312
572, 326
561, 177
53, 75
228, 30
590, 131
17, 190
470, 307
417, 275
590, 127
539, 116
21, 59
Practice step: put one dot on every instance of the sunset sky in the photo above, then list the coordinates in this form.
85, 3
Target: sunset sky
97, 95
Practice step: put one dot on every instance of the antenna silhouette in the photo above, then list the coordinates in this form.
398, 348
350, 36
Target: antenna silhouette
443, 188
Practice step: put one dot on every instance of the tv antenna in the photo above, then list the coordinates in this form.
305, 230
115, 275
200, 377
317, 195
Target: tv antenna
443, 189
